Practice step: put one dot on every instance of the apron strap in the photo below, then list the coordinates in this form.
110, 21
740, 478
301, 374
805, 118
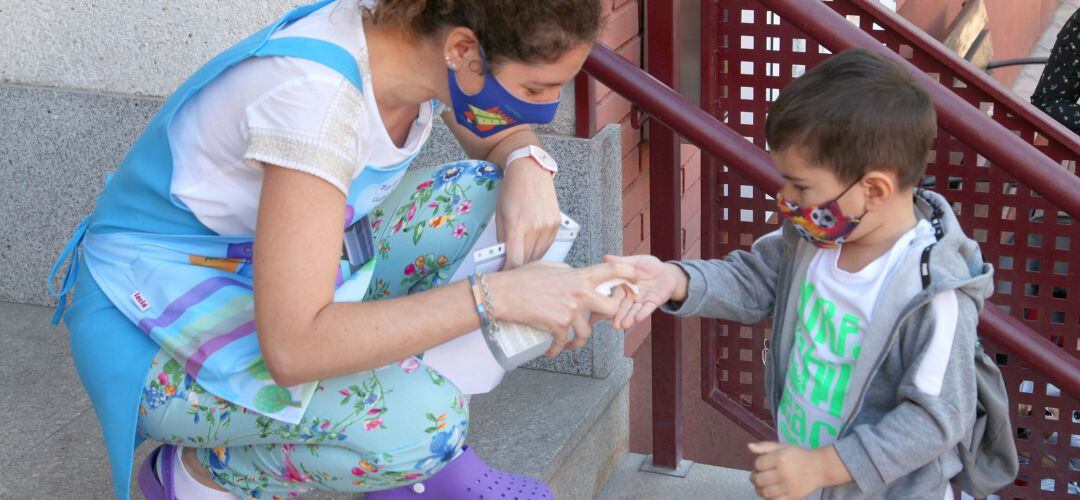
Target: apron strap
71, 255
320, 51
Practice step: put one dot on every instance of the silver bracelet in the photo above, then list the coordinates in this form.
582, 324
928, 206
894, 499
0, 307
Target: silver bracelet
489, 307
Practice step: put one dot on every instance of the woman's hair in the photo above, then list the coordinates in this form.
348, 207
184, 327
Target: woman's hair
527, 31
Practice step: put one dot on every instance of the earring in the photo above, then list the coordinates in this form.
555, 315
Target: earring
476, 66
450, 64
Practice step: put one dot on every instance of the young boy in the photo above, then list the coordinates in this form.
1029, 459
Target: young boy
874, 289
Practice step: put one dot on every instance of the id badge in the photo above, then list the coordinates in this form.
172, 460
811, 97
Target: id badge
358, 246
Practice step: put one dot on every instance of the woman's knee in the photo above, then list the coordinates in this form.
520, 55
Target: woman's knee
420, 453
405, 408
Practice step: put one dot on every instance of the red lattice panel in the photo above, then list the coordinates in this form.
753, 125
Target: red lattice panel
1028, 240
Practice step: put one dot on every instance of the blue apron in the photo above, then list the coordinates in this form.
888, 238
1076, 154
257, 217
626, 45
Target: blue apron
187, 289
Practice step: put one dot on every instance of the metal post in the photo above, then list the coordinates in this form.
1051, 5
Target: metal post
666, 195
584, 105
710, 198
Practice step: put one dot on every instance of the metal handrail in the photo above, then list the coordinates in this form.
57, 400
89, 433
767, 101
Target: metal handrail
671, 108
1017, 62
715, 138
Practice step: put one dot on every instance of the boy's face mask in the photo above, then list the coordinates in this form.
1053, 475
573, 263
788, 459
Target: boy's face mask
493, 108
825, 225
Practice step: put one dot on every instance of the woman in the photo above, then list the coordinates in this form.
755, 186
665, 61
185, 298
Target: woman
282, 363
1058, 91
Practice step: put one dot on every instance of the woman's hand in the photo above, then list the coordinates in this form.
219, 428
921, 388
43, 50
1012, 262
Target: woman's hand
555, 297
658, 283
527, 216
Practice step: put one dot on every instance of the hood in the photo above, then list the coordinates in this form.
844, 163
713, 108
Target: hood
955, 261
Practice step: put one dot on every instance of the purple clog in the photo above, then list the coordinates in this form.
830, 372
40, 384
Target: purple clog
152, 487
469, 478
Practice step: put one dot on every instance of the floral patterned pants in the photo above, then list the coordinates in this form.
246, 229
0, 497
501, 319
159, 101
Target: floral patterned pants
363, 432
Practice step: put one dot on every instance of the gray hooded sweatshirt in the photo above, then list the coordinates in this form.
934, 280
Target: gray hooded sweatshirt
916, 374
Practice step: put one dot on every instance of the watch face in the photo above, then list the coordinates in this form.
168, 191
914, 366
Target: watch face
543, 158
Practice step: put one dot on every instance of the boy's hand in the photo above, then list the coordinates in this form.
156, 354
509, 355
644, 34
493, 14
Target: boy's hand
658, 282
789, 472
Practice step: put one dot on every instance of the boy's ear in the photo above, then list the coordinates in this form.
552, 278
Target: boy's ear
880, 188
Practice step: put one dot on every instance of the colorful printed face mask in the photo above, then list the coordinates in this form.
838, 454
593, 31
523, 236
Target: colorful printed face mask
494, 108
825, 225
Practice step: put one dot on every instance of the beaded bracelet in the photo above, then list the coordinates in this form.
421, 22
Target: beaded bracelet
489, 307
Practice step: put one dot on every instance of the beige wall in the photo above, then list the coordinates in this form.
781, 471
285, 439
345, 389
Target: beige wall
1015, 25
141, 47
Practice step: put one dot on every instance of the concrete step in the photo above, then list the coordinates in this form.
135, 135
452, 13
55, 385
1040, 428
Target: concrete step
568, 430
701, 482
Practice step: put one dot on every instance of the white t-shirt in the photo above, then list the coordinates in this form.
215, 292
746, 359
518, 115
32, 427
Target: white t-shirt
289, 112
835, 306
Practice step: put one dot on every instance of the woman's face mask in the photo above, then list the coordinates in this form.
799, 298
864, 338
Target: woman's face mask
494, 108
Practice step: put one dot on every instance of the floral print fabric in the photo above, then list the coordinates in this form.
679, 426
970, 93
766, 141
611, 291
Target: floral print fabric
429, 224
368, 431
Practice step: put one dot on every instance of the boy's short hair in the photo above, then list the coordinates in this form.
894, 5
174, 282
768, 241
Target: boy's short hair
856, 112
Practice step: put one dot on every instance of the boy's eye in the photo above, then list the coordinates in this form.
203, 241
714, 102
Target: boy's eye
533, 92
800, 188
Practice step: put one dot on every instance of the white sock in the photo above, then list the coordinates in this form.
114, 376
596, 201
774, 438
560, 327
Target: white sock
187, 487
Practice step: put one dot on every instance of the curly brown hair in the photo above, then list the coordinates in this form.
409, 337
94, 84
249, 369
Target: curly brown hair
526, 31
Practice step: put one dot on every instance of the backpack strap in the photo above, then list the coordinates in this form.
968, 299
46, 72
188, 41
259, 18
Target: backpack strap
924, 265
924, 260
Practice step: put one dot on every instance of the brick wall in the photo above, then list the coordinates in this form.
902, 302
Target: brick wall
623, 34
636, 211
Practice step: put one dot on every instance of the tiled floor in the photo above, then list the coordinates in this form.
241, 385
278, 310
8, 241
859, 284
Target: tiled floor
702, 482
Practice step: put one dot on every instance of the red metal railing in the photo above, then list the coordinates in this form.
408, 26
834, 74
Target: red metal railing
1007, 151
718, 140
1029, 159
1008, 170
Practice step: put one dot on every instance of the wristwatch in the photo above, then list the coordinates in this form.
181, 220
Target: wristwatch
537, 153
